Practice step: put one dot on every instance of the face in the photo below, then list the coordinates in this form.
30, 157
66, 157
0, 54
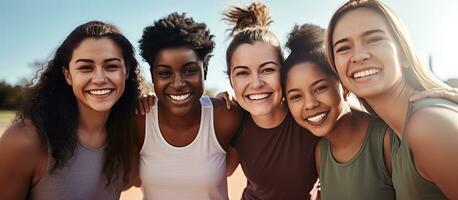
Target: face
314, 98
366, 54
255, 78
97, 74
178, 79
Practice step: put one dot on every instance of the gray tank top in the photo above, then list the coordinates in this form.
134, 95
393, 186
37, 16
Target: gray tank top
81, 178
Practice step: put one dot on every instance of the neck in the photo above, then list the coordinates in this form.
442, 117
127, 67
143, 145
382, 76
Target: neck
346, 125
169, 119
272, 119
91, 127
392, 106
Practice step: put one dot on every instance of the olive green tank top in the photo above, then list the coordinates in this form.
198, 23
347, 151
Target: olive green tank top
364, 176
409, 184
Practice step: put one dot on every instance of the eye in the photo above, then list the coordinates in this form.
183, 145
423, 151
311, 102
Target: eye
320, 89
342, 49
241, 73
190, 70
268, 70
373, 40
164, 74
112, 67
295, 97
85, 68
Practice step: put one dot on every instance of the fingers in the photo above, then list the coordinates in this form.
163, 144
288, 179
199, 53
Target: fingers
226, 98
450, 94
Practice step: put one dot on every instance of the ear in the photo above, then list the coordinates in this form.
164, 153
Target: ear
68, 77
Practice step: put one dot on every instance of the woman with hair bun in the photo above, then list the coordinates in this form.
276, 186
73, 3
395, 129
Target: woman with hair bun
353, 158
276, 154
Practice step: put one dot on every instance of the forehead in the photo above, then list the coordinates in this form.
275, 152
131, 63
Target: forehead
303, 74
97, 47
356, 22
254, 54
169, 56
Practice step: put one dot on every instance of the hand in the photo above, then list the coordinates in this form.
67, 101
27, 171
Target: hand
228, 99
450, 94
144, 104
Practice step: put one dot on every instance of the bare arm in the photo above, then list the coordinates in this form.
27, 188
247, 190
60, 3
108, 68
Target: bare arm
387, 150
450, 94
20, 154
432, 134
232, 160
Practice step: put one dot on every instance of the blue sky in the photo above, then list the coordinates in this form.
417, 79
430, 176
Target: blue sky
31, 30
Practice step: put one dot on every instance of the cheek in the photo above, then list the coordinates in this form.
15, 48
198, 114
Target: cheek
238, 85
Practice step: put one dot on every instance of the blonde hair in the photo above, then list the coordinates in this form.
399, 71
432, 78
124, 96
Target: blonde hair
422, 77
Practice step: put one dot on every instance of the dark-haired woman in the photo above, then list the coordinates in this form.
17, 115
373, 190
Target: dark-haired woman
74, 134
276, 154
353, 158
184, 138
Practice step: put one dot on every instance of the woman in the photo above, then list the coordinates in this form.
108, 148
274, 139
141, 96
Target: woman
369, 49
74, 134
353, 158
276, 154
184, 138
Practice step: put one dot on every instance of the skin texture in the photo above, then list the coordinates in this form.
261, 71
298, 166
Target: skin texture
255, 78
95, 64
432, 132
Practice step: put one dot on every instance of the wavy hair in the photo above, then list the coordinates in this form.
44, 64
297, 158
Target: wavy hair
52, 107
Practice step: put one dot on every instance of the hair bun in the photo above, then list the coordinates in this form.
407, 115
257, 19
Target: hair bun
306, 37
255, 15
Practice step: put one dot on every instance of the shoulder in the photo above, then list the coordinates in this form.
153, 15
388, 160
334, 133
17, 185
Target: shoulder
22, 137
228, 119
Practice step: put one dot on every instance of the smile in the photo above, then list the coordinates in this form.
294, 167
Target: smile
100, 92
365, 73
259, 96
181, 97
318, 118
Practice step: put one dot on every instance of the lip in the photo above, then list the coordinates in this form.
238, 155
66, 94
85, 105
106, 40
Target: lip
100, 92
321, 121
175, 97
258, 96
365, 78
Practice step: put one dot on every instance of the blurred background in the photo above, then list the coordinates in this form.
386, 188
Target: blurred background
32, 29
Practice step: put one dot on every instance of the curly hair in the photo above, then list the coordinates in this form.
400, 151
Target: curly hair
250, 24
306, 43
176, 30
52, 107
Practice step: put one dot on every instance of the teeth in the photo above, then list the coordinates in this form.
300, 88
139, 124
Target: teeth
100, 92
180, 97
317, 118
258, 96
365, 73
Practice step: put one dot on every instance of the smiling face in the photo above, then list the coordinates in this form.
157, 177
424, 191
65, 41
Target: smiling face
178, 79
97, 74
315, 99
366, 55
255, 78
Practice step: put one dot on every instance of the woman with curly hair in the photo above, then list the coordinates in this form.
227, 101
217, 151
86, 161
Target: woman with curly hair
368, 47
184, 138
74, 133
276, 154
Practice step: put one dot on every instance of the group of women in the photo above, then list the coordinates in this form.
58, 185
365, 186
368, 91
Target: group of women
76, 135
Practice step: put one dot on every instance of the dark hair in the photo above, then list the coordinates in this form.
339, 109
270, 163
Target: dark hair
250, 25
306, 44
176, 30
51, 105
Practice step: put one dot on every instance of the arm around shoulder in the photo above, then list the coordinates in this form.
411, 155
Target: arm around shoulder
432, 134
21, 152
227, 122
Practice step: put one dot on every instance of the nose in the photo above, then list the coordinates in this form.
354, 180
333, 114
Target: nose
178, 82
310, 102
360, 54
256, 82
99, 76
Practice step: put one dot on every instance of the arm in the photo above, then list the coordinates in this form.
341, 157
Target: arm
232, 160
226, 122
316, 191
432, 134
387, 150
21, 154
228, 99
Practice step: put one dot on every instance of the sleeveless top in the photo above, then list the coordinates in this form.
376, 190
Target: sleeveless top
362, 177
409, 184
279, 162
81, 178
196, 171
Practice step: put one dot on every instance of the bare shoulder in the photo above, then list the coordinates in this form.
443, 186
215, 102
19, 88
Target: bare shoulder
228, 119
22, 136
432, 134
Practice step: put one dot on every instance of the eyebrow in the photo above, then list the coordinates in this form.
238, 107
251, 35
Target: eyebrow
91, 61
168, 66
262, 65
369, 32
314, 83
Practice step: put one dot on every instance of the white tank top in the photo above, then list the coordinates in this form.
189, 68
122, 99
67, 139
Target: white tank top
196, 171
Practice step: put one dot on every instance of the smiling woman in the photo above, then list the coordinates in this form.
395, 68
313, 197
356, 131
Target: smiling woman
79, 111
